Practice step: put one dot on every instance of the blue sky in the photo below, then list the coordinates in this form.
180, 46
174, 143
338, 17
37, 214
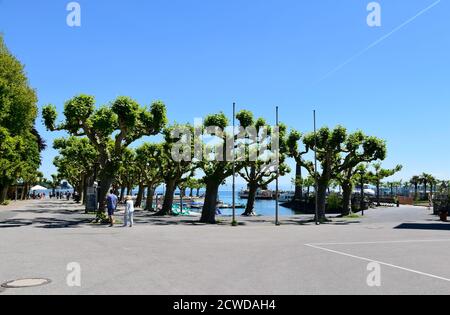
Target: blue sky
199, 56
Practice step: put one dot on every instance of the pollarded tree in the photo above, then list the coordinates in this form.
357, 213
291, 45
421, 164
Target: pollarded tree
379, 173
176, 161
216, 163
149, 161
125, 178
297, 154
191, 183
75, 162
346, 180
337, 151
200, 185
262, 171
110, 129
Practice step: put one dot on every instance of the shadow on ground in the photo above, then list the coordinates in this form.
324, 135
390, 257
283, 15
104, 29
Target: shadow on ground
424, 226
44, 223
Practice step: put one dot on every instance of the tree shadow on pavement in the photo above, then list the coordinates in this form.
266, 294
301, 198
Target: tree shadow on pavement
44, 223
424, 226
48, 211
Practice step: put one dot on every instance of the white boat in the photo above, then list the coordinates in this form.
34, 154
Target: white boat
260, 194
367, 191
286, 196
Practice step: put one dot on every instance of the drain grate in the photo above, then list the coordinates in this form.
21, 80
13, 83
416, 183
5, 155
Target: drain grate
25, 283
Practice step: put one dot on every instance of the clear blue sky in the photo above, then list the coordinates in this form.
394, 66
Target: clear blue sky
199, 56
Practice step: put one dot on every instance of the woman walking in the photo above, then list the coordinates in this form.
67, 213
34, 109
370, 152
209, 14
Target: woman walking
129, 212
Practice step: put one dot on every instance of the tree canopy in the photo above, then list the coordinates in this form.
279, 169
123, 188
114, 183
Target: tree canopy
20, 143
110, 129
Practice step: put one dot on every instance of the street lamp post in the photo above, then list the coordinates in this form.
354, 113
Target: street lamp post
277, 194
362, 191
315, 171
234, 165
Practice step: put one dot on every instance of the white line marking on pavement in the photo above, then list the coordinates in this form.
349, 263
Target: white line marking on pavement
382, 242
378, 262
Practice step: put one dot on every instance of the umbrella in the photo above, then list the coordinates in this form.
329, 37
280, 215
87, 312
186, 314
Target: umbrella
35, 188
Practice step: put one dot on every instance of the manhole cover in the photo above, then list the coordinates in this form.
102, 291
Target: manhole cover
25, 283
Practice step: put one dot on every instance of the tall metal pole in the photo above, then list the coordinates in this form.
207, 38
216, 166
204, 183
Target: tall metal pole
234, 165
315, 170
362, 193
277, 219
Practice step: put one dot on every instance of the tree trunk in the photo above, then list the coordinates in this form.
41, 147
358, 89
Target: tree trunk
105, 185
378, 194
198, 192
122, 193
129, 190
191, 194
210, 205
85, 189
322, 199
140, 196
347, 189
3, 193
361, 202
150, 194
168, 198
249, 209
298, 179
22, 193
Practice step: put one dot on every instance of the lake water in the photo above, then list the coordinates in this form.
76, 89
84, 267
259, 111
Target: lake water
262, 207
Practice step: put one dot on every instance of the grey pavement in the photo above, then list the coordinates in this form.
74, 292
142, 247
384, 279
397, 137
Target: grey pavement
179, 256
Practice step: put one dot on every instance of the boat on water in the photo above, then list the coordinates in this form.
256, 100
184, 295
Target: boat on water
260, 194
287, 196
368, 191
220, 205
186, 211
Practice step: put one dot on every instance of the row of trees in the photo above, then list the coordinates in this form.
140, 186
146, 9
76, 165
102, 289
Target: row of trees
20, 143
426, 181
100, 143
101, 138
342, 158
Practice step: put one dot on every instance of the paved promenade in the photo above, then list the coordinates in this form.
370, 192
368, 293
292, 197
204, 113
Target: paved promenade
179, 256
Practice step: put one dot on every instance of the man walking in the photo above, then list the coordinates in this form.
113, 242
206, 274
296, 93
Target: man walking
111, 203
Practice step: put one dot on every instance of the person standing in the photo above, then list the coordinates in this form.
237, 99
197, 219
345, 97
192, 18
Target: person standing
129, 212
111, 203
